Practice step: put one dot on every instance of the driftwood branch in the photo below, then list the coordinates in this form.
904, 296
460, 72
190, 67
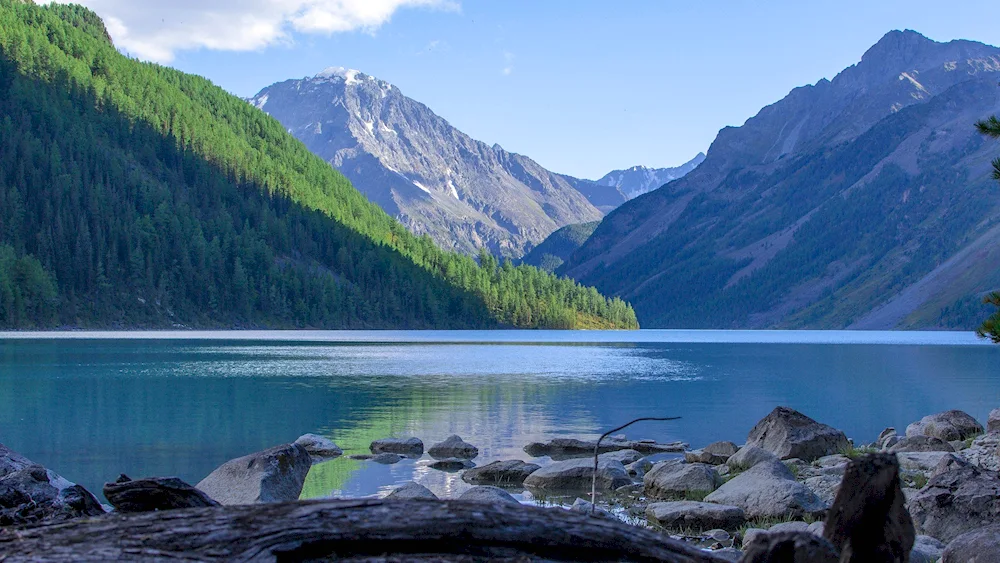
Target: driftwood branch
349, 530
597, 451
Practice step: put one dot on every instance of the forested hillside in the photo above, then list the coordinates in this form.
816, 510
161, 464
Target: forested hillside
133, 195
554, 250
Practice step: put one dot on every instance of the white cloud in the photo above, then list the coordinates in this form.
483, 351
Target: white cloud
508, 59
156, 30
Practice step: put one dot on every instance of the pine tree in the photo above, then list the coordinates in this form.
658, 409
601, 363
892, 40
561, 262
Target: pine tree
991, 327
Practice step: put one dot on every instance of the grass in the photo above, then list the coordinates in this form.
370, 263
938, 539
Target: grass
915, 480
852, 452
970, 439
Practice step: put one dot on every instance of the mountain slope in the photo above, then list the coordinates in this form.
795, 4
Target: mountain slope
840, 199
136, 195
435, 179
557, 247
635, 181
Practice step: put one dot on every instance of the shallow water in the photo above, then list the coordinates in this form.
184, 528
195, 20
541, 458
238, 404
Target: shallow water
93, 405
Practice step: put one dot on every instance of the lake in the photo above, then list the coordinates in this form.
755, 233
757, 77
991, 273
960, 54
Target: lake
93, 405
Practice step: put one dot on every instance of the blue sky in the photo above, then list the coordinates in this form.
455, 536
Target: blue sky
583, 87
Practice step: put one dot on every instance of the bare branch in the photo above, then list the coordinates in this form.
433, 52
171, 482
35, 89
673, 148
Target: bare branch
597, 449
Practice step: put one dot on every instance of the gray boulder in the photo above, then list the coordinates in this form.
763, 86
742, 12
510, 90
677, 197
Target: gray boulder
452, 464
563, 448
588, 508
31, 494
794, 526
411, 490
453, 447
921, 443
882, 442
957, 501
975, 546
749, 456
576, 475
386, 458
817, 528
715, 453
504, 473
154, 494
407, 447
769, 490
685, 514
792, 547
624, 456
985, 451
486, 493
921, 462
273, 475
926, 550
639, 468
825, 486
789, 434
993, 422
319, 446
674, 479
948, 425
750, 535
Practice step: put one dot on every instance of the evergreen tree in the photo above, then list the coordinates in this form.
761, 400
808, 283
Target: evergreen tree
991, 327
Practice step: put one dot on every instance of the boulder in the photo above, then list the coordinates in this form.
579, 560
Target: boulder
273, 475
588, 508
452, 464
957, 501
794, 526
921, 443
993, 422
948, 425
565, 448
685, 514
386, 458
486, 493
749, 456
639, 468
788, 434
750, 535
154, 493
674, 479
921, 462
33, 495
411, 490
453, 447
884, 437
825, 486
504, 473
624, 456
319, 446
926, 550
408, 447
715, 453
985, 451
789, 547
768, 490
974, 546
817, 528
576, 475
829, 461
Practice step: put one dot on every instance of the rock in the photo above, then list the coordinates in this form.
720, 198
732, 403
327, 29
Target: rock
273, 475
624, 456
817, 528
716, 453
453, 447
729, 554
587, 507
825, 486
31, 494
319, 446
957, 501
889, 442
686, 514
985, 451
486, 493
926, 550
576, 475
411, 490
993, 422
957, 445
452, 464
921, 443
788, 434
948, 425
639, 468
635, 490
750, 534
386, 458
154, 493
673, 479
564, 448
361, 457
835, 460
768, 490
408, 447
948, 463
974, 546
723, 470
504, 473
795, 526
725, 448
922, 462
789, 547
749, 456
868, 520
884, 437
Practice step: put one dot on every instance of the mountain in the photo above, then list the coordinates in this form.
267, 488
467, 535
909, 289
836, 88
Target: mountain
638, 180
134, 195
557, 247
859, 202
435, 179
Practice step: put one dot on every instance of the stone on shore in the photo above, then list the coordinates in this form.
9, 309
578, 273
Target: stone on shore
715, 453
486, 493
669, 480
922, 462
825, 486
749, 456
407, 447
789, 434
564, 448
685, 514
639, 468
948, 425
411, 490
31, 494
921, 443
926, 550
769, 490
452, 464
319, 446
793, 547
974, 546
273, 475
154, 493
510, 473
453, 447
576, 474
588, 508
626, 457
963, 499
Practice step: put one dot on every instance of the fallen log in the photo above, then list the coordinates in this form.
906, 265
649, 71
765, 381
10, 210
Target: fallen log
347, 530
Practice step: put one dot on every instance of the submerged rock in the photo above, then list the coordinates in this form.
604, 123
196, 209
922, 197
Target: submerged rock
789, 434
153, 494
576, 475
319, 446
563, 448
453, 447
386, 458
948, 425
273, 475
452, 464
504, 473
407, 447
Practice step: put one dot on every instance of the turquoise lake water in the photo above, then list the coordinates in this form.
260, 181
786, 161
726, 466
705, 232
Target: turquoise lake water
93, 405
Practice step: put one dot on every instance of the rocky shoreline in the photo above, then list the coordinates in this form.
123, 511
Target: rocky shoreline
723, 498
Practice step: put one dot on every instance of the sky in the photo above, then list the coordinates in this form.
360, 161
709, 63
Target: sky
581, 86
